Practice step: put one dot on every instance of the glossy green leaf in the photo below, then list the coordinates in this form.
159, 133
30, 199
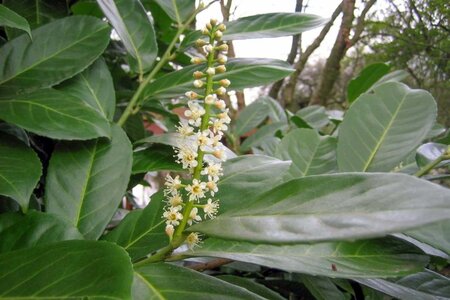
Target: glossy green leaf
242, 72
154, 158
54, 114
177, 10
251, 116
247, 177
20, 170
436, 235
262, 134
36, 12
164, 281
132, 24
386, 257
271, 25
134, 127
333, 207
426, 285
276, 111
395, 76
94, 86
315, 116
321, 288
365, 80
382, 128
19, 231
9, 18
311, 154
66, 270
53, 55
86, 7
142, 231
87, 180
429, 152
15, 131
251, 286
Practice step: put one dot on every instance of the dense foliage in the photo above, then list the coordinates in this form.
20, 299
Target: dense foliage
315, 203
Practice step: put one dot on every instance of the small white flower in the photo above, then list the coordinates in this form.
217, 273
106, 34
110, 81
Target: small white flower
220, 104
193, 240
224, 117
173, 216
185, 130
198, 83
203, 139
175, 200
210, 99
193, 216
210, 209
196, 190
172, 185
187, 157
213, 170
220, 154
210, 71
215, 140
194, 113
212, 187
219, 126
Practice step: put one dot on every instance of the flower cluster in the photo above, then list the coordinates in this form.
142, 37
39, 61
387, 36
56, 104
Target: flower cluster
201, 152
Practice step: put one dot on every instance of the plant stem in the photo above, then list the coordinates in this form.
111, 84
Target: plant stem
132, 105
433, 164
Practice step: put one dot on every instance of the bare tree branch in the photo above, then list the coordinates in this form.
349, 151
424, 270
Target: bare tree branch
210, 265
359, 27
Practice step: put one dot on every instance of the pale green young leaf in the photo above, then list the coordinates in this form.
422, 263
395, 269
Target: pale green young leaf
54, 114
20, 170
177, 10
9, 18
382, 128
132, 24
333, 207
66, 270
53, 55
87, 180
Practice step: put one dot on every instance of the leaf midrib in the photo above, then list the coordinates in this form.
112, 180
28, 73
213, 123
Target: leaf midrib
15, 75
150, 286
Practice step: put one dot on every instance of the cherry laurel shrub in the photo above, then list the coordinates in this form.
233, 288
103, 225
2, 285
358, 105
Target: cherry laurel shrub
329, 205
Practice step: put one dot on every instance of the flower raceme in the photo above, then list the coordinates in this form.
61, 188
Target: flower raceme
200, 151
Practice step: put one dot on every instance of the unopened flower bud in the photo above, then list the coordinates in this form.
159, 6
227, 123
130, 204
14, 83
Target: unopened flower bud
208, 26
191, 95
210, 99
208, 48
213, 22
225, 82
222, 59
201, 5
210, 71
220, 104
197, 60
198, 74
198, 83
205, 31
220, 154
222, 27
170, 230
223, 47
218, 34
220, 69
200, 43
221, 91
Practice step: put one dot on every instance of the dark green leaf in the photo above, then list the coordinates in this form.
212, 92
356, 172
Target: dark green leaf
333, 207
247, 177
86, 7
321, 288
94, 86
36, 12
299, 122
11, 19
141, 231
68, 269
242, 72
53, 55
365, 79
251, 286
251, 116
134, 127
386, 257
19, 231
262, 134
436, 235
429, 152
314, 115
311, 154
54, 114
178, 10
424, 285
20, 170
154, 158
382, 128
15, 131
87, 180
132, 24
271, 25
164, 281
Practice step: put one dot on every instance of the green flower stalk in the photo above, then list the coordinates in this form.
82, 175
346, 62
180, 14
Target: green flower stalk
201, 151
